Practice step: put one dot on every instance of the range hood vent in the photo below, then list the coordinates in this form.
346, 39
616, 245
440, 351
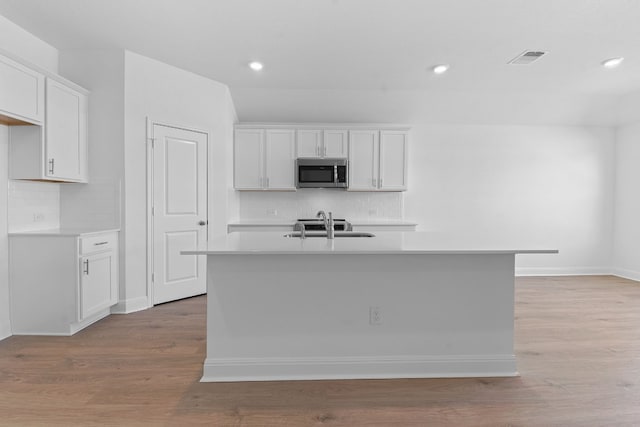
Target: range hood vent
527, 57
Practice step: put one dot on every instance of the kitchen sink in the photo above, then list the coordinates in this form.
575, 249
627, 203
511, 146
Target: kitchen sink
336, 234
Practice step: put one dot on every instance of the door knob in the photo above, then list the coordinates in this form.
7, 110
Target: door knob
202, 223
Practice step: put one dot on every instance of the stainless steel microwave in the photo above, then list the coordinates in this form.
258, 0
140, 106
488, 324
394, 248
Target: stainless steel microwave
321, 173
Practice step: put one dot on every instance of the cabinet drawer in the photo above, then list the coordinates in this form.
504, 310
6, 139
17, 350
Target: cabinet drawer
98, 243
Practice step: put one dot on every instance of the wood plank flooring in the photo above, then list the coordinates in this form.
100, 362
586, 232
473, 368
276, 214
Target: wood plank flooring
577, 347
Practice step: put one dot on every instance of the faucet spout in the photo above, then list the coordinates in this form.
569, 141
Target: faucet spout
328, 223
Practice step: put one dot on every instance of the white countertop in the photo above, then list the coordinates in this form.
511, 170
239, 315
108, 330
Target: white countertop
387, 242
64, 232
290, 222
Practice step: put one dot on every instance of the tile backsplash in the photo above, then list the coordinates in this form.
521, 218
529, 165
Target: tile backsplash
305, 203
33, 206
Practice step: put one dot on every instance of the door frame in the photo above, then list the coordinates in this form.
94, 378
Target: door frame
149, 142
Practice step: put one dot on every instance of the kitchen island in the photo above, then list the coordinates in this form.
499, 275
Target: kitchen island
397, 305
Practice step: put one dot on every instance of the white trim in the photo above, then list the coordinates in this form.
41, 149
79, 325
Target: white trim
3, 336
626, 274
131, 305
149, 219
562, 271
323, 126
324, 368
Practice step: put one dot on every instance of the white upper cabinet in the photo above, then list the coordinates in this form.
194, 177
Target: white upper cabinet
57, 151
393, 160
378, 160
248, 159
322, 143
21, 94
363, 160
65, 132
280, 159
309, 143
336, 143
264, 160
265, 155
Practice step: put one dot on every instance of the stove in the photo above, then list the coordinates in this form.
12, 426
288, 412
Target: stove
316, 224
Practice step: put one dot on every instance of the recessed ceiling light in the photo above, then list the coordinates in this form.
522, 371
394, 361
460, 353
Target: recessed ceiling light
612, 63
440, 69
255, 65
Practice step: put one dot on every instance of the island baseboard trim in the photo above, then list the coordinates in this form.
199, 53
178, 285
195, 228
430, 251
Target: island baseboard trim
286, 369
561, 271
627, 274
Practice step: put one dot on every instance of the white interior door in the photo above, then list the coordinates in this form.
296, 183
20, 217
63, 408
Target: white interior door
179, 213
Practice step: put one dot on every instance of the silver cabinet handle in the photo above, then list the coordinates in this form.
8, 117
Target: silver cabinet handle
100, 243
267, 182
325, 151
51, 165
373, 182
86, 267
380, 182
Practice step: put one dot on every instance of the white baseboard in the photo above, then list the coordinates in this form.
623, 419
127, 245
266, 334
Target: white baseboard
4, 335
330, 368
562, 271
130, 305
626, 274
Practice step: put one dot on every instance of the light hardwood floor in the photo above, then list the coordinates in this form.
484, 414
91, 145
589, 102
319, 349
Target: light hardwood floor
577, 347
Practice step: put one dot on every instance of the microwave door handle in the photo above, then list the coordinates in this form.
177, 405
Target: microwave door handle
335, 175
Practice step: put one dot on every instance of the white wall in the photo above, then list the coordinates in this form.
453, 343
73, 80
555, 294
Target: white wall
26, 46
33, 205
626, 249
539, 185
170, 95
274, 205
20, 44
5, 319
126, 89
97, 204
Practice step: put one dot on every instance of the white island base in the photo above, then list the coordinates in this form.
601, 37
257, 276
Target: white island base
294, 317
291, 309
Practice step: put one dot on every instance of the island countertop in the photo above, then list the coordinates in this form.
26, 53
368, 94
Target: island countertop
388, 242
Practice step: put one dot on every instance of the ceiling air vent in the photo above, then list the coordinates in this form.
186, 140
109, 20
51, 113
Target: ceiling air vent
527, 57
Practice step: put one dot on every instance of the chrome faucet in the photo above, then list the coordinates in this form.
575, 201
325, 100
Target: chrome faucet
328, 223
303, 231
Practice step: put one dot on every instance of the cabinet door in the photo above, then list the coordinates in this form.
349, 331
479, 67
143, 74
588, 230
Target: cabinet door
393, 160
65, 132
309, 143
335, 143
98, 274
363, 160
21, 93
280, 159
248, 159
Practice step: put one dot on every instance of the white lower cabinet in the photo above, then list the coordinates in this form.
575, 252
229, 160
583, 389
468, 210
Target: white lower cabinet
61, 282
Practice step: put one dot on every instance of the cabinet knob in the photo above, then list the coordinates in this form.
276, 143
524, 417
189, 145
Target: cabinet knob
202, 222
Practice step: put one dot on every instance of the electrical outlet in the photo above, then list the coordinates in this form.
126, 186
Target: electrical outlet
375, 315
272, 212
373, 212
38, 217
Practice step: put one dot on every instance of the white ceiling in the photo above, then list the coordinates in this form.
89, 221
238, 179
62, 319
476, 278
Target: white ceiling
369, 60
